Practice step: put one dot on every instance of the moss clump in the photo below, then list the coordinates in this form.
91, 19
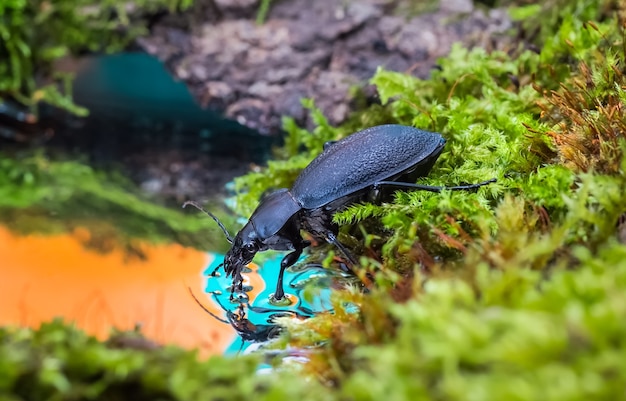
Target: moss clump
59, 362
586, 112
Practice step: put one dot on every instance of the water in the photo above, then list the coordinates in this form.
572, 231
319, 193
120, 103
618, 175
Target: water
260, 308
137, 108
135, 103
44, 277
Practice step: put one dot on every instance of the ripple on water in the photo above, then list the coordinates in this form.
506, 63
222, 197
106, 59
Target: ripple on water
253, 314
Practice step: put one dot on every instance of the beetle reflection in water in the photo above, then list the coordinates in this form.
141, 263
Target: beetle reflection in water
248, 331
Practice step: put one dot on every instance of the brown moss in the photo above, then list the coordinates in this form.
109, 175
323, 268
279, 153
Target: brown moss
586, 113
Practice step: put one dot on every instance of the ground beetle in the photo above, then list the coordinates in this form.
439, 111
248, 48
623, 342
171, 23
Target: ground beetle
353, 169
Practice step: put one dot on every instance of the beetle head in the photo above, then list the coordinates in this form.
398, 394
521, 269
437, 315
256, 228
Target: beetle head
245, 245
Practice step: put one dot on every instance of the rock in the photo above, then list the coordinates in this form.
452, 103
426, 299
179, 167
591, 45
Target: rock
317, 49
264, 90
217, 90
456, 6
250, 112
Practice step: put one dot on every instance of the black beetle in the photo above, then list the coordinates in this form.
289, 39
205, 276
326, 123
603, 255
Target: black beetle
352, 169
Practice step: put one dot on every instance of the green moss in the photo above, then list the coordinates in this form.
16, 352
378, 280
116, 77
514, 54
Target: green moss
35, 34
59, 362
525, 338
512, 292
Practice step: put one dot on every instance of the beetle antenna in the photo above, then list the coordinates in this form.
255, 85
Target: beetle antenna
229, 238
206, 309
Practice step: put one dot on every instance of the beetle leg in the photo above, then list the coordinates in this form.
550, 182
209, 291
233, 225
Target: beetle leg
214, 273
332, 238
287, 261
237, 285
318, 222
429, 187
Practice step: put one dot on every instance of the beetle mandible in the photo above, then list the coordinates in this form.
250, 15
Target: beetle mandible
352, 169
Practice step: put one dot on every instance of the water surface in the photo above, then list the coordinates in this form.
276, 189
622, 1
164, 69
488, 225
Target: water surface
44, 277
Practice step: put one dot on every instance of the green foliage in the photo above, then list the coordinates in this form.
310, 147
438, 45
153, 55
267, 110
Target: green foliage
515, 291
36, 33
523, 338
555, 24
59, 362
264, 9
43, 195
511, 324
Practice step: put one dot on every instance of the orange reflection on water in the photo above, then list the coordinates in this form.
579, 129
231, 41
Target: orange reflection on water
43, 277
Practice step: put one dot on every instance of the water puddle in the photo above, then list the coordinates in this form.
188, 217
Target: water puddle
147, 125
44, 277
254, 316
168, 292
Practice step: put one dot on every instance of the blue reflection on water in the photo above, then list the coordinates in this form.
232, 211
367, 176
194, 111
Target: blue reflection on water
260, 311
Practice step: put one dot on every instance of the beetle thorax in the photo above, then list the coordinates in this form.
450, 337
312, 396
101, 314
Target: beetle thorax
272, 214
